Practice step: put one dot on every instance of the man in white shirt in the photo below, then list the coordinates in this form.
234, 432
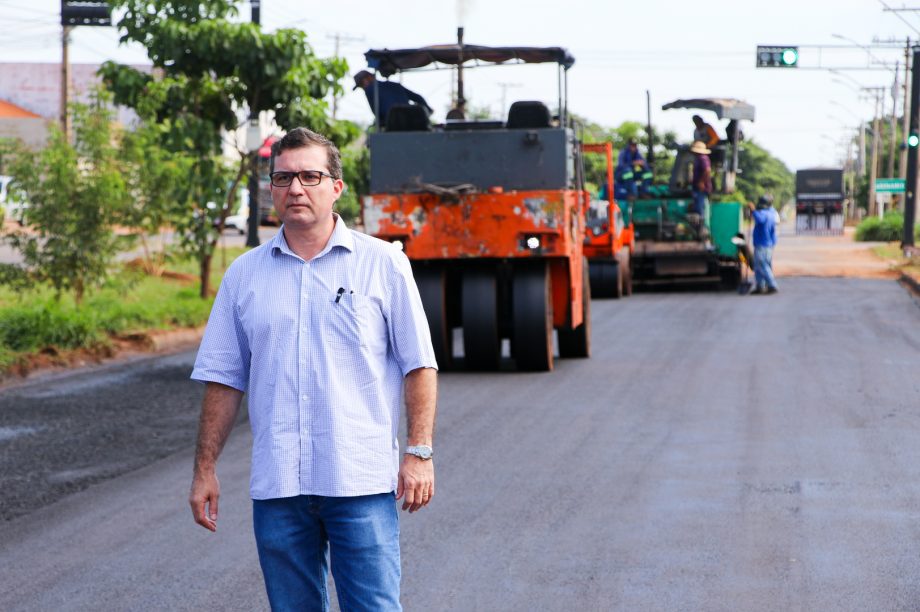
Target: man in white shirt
324, 329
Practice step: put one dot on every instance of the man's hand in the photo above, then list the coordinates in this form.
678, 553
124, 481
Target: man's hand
416, 482
203, 499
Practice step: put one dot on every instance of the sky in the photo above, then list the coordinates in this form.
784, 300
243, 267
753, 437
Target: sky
669, 48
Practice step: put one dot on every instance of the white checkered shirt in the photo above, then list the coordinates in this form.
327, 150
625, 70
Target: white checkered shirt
322, 348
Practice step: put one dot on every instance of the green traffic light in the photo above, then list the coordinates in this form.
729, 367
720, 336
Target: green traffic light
790, 57
913, 140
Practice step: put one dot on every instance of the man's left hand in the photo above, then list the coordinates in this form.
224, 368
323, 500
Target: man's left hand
416, 482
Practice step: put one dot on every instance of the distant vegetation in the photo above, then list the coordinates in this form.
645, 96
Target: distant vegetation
888, 229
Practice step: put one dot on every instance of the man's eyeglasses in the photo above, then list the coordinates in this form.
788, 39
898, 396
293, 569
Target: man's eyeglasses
307, 178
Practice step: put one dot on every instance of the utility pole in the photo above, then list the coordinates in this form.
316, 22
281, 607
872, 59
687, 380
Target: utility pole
905, 125
893, 123
65, 81
873, 162
910, 202
338, 37
253, 143
505, 87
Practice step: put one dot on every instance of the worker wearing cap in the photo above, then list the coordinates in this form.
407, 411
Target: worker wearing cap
764, 238
388, 94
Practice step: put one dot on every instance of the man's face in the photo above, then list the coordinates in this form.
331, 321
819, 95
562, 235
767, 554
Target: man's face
302, 207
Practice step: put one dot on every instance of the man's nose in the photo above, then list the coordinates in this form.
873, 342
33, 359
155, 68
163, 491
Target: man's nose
296, 186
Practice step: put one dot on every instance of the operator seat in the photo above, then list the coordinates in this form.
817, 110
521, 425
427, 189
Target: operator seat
528, 114
407, 118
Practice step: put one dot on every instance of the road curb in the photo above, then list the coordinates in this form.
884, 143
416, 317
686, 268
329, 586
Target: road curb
911, 283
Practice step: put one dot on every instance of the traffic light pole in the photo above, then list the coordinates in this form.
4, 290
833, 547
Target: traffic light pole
252, 233
910, 202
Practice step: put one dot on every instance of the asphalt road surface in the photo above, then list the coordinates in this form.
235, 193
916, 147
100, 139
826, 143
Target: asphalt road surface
717, 452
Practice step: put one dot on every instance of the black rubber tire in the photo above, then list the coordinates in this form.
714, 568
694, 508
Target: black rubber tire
532, 318
479, 306
603, 276
577, 342
432, 286
625, 264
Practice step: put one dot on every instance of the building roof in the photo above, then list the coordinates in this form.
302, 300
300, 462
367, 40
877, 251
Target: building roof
8, 110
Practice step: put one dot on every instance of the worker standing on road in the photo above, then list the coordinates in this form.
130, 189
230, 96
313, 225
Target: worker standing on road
702, 183
765, 221
324, 329
704, 132
389, 94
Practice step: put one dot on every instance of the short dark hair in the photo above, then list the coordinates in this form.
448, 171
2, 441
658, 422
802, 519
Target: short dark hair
301, 137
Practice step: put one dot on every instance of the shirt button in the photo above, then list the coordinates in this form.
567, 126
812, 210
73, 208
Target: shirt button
304, 397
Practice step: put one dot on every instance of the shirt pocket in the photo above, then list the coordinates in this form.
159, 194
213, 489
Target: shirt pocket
356, 320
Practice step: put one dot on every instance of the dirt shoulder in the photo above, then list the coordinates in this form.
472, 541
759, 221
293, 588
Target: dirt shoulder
50, 364
837, 256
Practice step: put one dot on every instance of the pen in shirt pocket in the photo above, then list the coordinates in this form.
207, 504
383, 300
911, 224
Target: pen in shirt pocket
340, 293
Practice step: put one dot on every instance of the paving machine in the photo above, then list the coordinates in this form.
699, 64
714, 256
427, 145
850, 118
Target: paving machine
490, 213
609, 240
672, 244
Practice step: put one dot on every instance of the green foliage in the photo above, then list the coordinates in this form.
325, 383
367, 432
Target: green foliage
596, 165
356, 164
32, 320
211, 74
888, 229
762, 173
76, 195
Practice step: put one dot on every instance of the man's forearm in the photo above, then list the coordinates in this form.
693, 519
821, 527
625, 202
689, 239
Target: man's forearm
218, 414
421, 405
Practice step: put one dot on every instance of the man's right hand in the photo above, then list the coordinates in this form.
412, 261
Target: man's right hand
203, 499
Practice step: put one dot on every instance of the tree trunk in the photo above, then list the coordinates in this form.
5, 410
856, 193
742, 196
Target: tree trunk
205, 275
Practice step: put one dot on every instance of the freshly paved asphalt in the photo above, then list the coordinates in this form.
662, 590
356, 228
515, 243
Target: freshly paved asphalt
716, 453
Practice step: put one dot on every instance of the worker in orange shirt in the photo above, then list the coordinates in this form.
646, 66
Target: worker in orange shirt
704, 132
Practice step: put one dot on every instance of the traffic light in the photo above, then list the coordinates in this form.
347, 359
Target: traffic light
913, 140
78, 13
777, 57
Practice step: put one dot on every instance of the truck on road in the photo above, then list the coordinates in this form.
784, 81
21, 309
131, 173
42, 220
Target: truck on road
819, 199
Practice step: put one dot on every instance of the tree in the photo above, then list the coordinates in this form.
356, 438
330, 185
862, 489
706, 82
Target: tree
76, 195
596, 166
210, 72
762, 173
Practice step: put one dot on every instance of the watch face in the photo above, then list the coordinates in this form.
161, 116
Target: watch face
423, 452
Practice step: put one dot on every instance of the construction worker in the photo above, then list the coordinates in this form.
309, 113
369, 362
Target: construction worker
764, 238
704, 132
702, 181
388, 95
630, 171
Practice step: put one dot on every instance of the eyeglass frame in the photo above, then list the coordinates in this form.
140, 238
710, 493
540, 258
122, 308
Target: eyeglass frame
271, 177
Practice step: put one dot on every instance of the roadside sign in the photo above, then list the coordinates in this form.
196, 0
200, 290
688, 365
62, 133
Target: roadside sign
889, 185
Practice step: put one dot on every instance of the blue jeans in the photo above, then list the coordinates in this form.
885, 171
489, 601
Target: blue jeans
763, 267
700, 202
361, 535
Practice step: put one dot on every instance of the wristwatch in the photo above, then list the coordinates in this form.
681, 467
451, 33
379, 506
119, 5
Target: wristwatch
422, 451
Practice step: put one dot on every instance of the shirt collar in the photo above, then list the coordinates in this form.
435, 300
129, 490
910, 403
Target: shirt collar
341, 237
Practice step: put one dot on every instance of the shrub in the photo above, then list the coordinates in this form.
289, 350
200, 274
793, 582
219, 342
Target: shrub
888, 229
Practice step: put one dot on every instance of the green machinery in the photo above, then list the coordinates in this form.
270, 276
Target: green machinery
672, 246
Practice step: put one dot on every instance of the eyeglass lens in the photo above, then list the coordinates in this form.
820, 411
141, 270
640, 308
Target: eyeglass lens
307, 178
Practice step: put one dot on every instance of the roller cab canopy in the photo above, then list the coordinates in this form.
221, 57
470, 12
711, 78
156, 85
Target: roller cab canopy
390, 61
724, 108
